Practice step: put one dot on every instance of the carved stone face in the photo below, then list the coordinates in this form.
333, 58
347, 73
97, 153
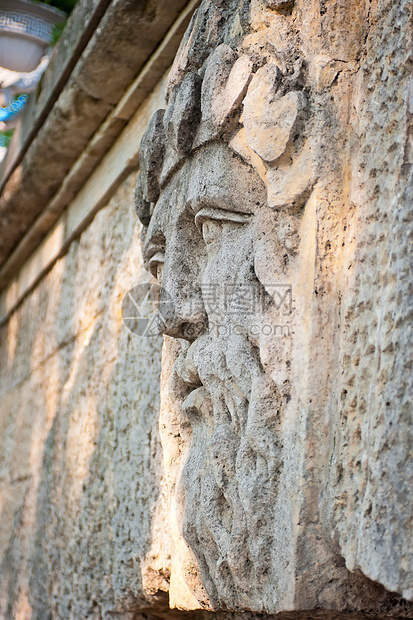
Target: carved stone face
211, 192
209, 240
200, 234
202, 244
259, 225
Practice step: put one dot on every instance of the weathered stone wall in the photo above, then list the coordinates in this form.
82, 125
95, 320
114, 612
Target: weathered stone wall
94, 446
361, 318
373, 469
80, 466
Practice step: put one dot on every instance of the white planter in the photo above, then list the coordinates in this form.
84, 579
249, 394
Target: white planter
25, 31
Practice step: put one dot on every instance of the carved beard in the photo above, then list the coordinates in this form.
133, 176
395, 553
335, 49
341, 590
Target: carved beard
229, 482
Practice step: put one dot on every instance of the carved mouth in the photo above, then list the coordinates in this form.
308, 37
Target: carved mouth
186, 369
195, 405
196, 399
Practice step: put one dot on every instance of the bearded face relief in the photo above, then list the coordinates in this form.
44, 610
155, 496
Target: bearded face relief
262, 220
203, 239
225, 172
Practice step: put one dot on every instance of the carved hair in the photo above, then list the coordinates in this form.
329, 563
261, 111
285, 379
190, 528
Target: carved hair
253, 102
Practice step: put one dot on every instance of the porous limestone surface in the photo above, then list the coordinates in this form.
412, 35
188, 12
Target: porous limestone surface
275, 190
263, 465
80, 467
373, 466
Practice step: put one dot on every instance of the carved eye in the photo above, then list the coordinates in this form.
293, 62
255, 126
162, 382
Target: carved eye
211, 222
159, 272
156, 265
211, 230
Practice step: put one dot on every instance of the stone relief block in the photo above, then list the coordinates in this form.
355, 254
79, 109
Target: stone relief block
183, 113
152, 151
242, 192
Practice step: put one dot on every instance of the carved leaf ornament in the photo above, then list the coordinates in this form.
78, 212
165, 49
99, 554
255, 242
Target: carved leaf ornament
250, 110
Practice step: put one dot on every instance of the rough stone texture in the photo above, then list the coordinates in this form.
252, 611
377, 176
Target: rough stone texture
80, 462
267, 475
373, 476
280, 238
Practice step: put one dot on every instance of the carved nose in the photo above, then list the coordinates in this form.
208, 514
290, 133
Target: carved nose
181, 311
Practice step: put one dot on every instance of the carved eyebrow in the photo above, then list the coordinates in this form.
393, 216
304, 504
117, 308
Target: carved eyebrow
223, 204
208, 213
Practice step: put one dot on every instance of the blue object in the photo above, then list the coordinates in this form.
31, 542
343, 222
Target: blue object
13, 109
